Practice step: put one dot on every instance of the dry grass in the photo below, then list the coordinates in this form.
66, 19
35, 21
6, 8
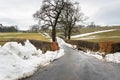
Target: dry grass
5, 37
106, 47
112, 36
88, 30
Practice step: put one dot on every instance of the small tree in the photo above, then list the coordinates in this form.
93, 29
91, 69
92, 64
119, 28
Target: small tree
70, 16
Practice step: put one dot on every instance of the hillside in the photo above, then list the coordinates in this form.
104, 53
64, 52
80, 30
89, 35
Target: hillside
95, 36
88, 30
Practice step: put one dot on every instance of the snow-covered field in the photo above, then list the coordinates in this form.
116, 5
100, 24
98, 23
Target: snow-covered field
87, 34
19, 61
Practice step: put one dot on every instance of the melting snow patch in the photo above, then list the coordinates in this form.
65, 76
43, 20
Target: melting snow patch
95, 54
19, 61
115, 57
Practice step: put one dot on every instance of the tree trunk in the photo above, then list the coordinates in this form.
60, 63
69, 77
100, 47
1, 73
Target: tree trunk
54, 34
54, 27
69, 33
65, 33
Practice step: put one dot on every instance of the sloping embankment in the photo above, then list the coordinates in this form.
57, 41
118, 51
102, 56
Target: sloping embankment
107, 47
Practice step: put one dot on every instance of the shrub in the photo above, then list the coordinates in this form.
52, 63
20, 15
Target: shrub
109, 47
116, 47
44, 46
106, 47
84, 45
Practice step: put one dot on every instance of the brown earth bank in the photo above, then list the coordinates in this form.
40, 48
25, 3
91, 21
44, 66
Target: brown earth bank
54, 46
106, 47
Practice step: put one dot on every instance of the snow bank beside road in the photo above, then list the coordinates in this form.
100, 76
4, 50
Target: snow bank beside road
61, 42
115, 57
18, 61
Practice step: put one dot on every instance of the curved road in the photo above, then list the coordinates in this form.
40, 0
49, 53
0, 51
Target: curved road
76, 66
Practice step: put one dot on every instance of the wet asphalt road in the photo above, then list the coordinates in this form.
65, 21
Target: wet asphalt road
76, 66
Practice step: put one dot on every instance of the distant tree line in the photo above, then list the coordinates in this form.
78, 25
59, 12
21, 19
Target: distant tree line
34, 28
8, 28
92, 25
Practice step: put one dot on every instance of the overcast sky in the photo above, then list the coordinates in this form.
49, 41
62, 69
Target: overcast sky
19, 12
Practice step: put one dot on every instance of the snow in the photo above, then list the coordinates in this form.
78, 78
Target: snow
88, 38
113, 57
61, 42
87, 34
18, 61
46, 35
94, 54
96, 37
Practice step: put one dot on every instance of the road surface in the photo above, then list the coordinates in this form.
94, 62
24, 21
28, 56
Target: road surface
76, 66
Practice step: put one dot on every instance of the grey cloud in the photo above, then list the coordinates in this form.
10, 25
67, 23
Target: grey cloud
18, 12
7, 20
109, 15
98, 2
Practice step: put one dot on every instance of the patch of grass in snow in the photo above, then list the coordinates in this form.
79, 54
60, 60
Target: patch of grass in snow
5, 37
101, 37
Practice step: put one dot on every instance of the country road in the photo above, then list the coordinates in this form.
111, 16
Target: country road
76, 66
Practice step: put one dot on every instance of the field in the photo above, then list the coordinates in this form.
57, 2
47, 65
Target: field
5, 37
88, 30
98, 37
113, 36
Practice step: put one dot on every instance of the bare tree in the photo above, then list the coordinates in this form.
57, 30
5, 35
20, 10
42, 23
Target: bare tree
49, 14
92, 25
70, 16
34, 28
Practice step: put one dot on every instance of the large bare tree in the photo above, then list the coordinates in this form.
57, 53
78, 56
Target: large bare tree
49, 14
